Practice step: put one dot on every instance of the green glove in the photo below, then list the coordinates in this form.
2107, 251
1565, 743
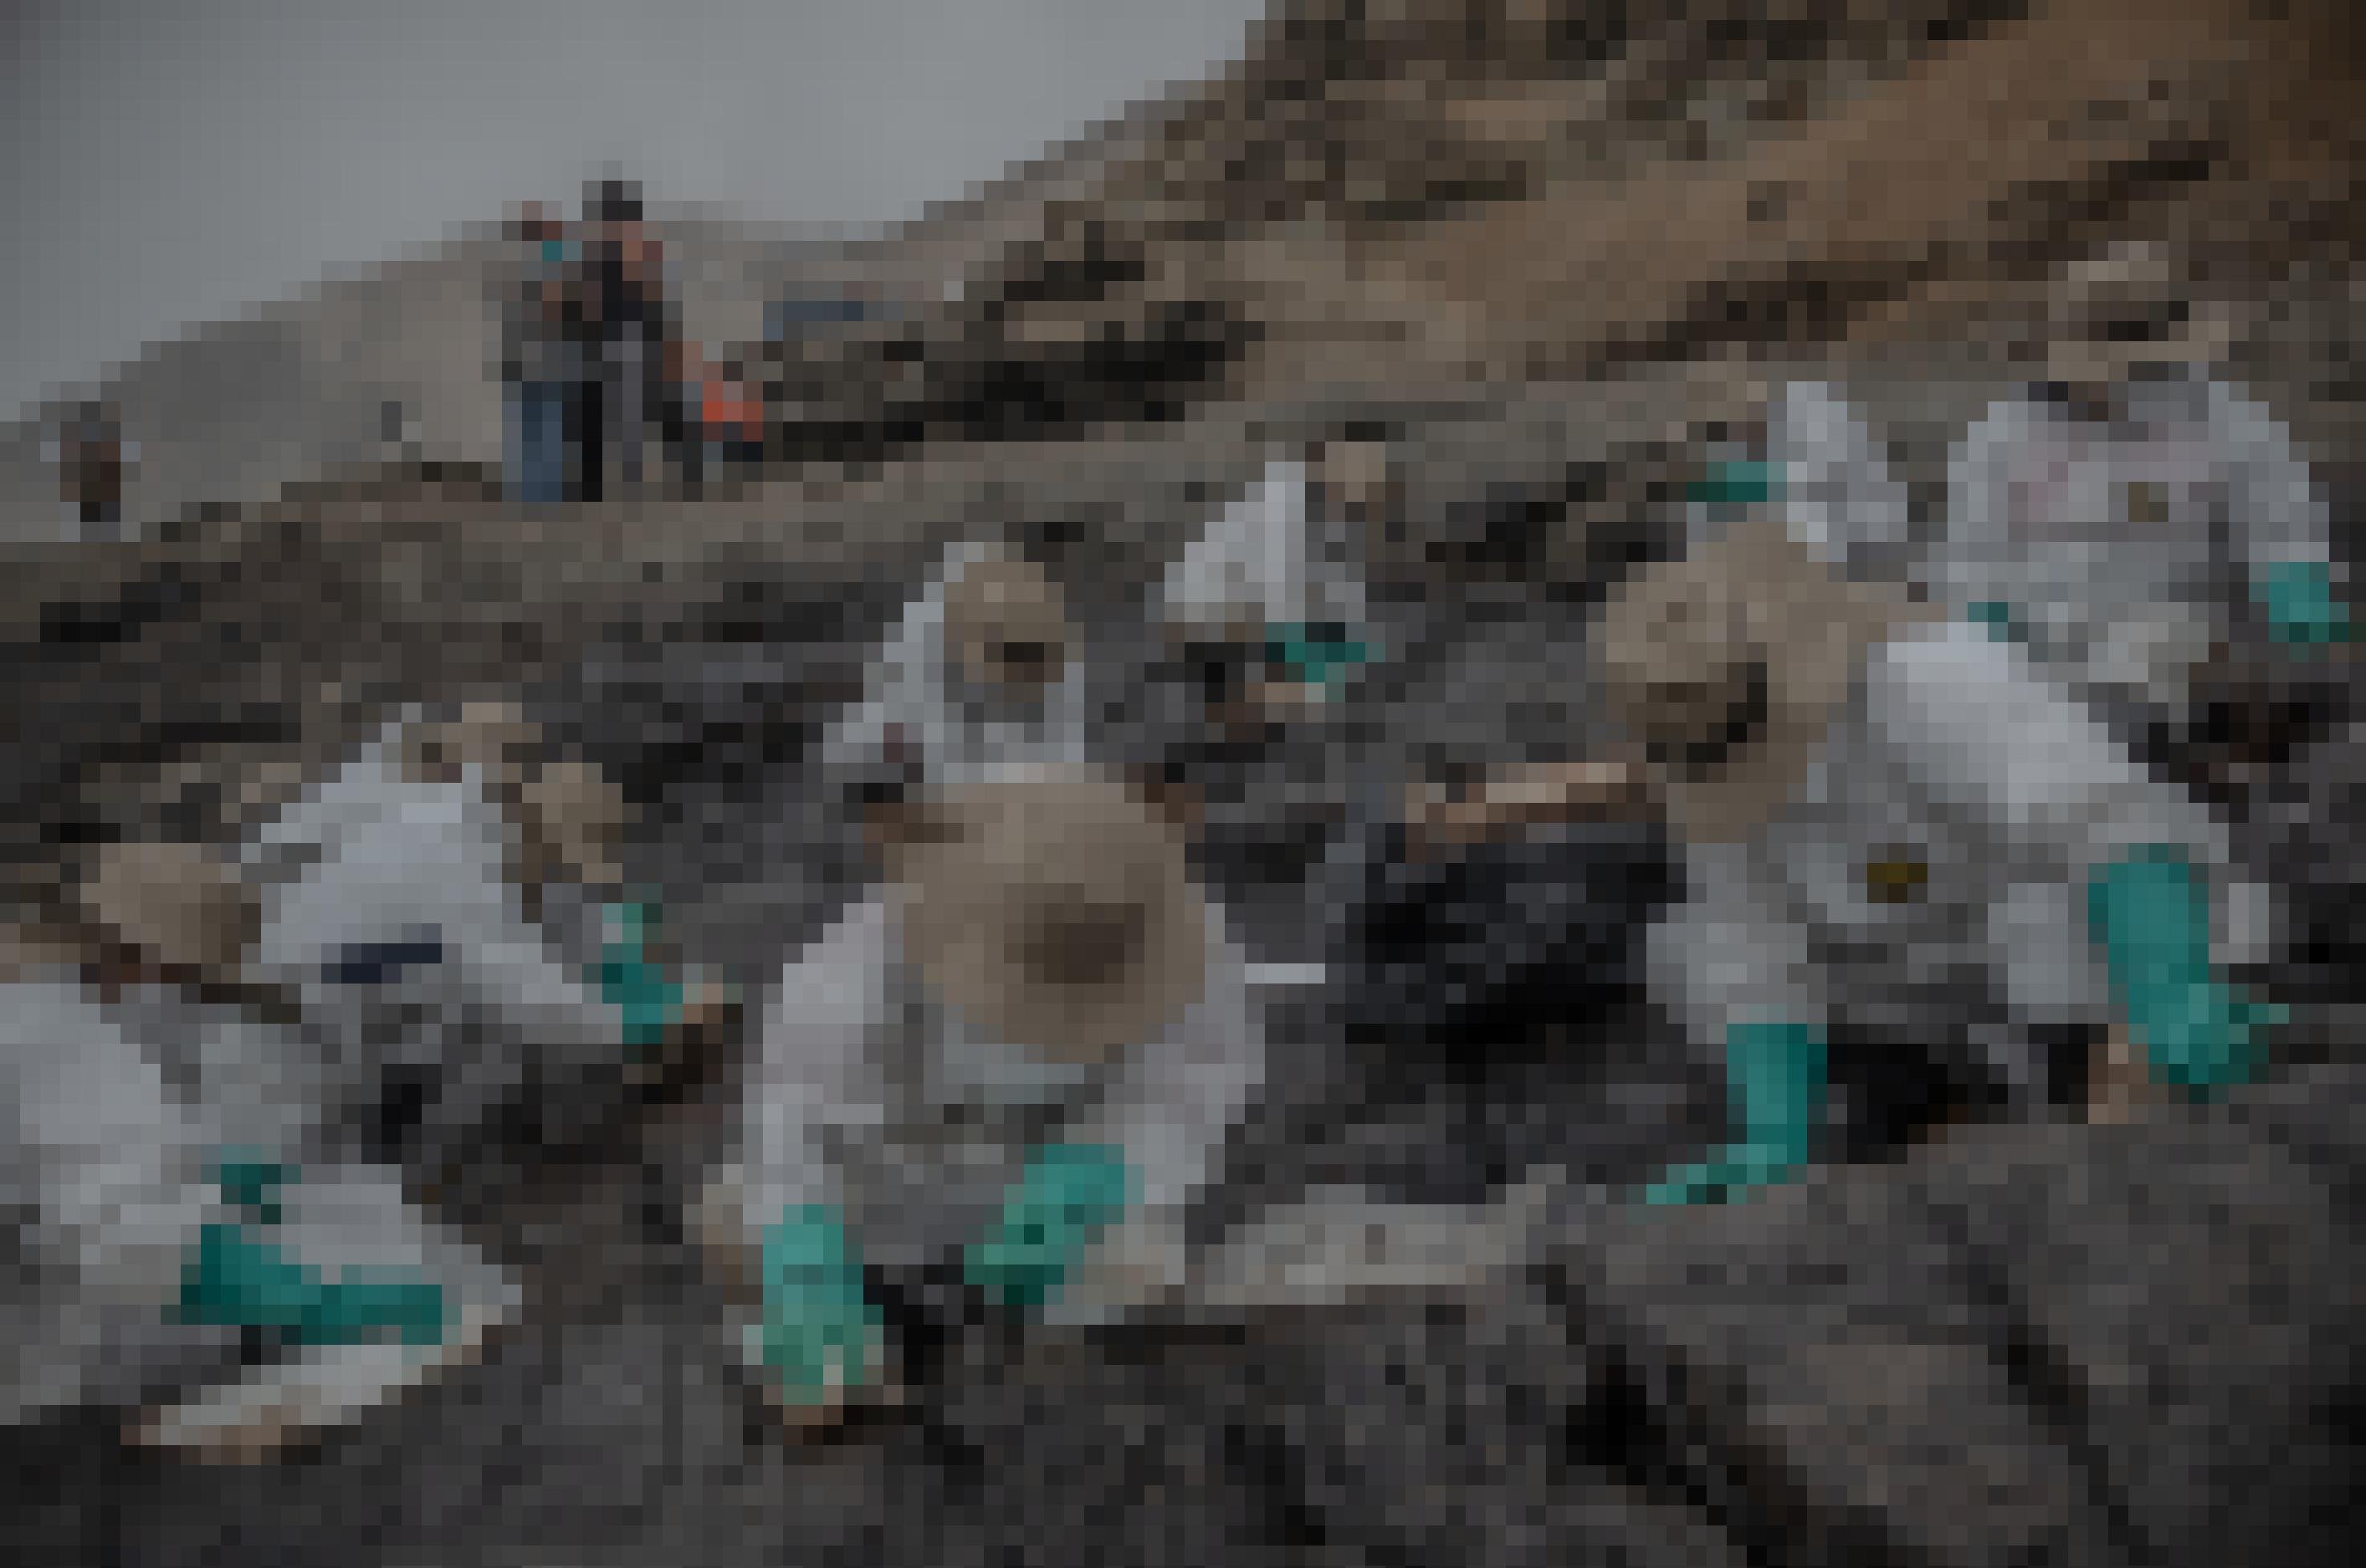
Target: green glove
252, 1182
817, 1329
649, 998
1736, 484
1775, 1076
1997, 616
2298, 598
233, 1281
1739, 1168
2148, 911
1316, 654
366, 1303
1068, 1197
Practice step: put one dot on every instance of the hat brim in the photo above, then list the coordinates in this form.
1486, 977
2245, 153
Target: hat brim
1027, 850
2204, 336
1809, 628
173, 904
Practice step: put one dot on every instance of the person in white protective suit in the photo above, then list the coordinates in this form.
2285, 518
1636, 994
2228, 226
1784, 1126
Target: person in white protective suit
985, 668
446, 911
2118, 521
197, 1247
1264, 630
1892, 820
1019, 1057
393, 930
1274, 590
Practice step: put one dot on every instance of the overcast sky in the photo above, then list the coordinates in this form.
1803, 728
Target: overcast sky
172, 159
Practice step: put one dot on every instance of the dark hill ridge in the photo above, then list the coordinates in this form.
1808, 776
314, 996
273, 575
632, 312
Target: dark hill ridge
1428, 193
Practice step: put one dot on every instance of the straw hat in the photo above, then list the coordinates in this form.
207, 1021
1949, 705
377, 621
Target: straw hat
1052, 909
571, 817
1727, 666
1359, 478
2128, 308
1006, 625
174, 904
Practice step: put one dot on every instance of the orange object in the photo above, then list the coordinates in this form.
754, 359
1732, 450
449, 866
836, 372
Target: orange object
728, 407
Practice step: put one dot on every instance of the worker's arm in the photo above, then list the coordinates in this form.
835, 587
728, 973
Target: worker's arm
1095, 1226
1523, 796
2279, 516
1963, 570
812, 1079
778, 1220
1834, 487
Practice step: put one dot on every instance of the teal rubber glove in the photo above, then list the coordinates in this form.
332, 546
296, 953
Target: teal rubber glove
2150, 914
817, 1329
1775, 1075
649, 998
1068, 1197
366, 1303
233, 1280
2301, 609
1996, 618
1314, 654
1736, 484
252, 1182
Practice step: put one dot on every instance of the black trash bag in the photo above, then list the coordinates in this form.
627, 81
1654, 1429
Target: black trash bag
1505, 949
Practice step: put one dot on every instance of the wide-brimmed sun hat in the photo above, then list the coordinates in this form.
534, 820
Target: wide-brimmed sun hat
1052, 909
174, 904
1729, 664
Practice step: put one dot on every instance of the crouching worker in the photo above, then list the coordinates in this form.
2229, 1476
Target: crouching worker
1265, 638
1270, 599
2124, 521
201, 1249
425, 943
446, 911
986, 669
1021, 1056
1891, 823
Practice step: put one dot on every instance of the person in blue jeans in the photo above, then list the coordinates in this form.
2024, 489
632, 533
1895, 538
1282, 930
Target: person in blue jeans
542, 366
539, 450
